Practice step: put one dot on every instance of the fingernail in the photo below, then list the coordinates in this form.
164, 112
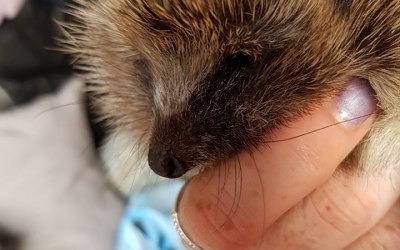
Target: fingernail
356, 103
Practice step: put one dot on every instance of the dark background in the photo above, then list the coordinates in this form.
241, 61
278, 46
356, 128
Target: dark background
30, 64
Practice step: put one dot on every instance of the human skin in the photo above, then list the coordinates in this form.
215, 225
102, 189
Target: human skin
291, 194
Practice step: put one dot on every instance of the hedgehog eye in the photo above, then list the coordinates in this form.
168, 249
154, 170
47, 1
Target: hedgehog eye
240, 60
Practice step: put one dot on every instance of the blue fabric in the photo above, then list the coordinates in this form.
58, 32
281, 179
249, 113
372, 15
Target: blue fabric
146, 223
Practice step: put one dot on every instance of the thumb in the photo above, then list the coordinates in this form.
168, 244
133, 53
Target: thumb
232, 205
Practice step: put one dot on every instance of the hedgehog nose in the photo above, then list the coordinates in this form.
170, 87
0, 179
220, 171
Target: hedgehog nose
164, 163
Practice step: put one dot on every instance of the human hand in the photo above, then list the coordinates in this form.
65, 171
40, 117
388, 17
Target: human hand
289, 194
51, 194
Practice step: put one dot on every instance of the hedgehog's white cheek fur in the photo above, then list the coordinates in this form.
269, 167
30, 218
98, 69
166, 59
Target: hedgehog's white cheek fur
382, 147
127, 166
125, 160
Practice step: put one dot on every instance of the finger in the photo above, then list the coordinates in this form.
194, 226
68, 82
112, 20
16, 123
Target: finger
385, 235
336, 214
259, 187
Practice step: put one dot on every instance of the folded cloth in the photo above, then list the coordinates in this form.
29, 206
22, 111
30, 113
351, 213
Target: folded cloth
146, 223
53, 194
10, 8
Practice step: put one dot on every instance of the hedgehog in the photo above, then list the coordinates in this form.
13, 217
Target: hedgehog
178, 86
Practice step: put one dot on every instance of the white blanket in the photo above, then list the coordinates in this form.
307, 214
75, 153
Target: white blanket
51, 193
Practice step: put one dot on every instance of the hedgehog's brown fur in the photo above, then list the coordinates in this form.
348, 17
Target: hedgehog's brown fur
209, 78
